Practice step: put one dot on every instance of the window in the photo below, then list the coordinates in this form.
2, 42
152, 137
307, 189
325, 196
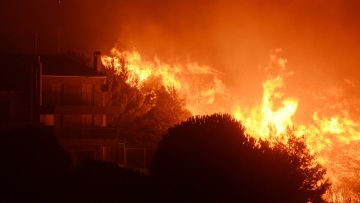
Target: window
87, 121
88, 94
104, 153
47, 119
71, 121
100, 120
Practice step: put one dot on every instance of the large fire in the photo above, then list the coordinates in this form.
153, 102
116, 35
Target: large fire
335, 138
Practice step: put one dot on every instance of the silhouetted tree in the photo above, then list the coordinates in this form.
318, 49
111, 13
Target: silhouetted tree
210, 158
168, 110
133, 103
34, 167
97, 181
146, 110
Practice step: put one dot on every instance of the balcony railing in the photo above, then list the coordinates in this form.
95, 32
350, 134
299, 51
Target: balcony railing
88, 133
98, 99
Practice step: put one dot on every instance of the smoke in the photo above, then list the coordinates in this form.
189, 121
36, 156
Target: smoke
319, 38
223, 34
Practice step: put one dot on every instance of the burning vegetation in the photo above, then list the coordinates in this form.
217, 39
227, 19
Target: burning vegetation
147, 106
211, 57
168, 93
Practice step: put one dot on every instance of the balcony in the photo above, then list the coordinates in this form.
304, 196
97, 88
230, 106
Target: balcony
70, 109
88, 133
76, 99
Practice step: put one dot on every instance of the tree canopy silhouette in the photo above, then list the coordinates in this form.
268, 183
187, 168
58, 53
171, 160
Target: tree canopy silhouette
34, 167
168, 110
97, 181
210, 158
146, 110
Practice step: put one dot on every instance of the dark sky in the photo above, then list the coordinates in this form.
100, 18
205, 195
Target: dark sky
320, 38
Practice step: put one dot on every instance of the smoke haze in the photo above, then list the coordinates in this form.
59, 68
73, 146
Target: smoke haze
320, 39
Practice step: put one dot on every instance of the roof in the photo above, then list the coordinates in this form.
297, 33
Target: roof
65, 66
15, 69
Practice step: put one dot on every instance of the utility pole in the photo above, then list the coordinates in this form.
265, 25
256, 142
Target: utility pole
58, 26
36, 84
35, 43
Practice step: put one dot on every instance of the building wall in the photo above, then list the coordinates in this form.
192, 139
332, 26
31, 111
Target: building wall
73, 90
79, 117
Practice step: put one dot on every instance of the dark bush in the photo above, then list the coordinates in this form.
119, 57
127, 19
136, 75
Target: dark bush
210, 158
34, 167
97, 181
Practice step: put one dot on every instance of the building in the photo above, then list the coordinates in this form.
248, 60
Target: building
62, 93
75, 105
68, 95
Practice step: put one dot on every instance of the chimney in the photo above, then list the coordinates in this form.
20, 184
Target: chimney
97, 61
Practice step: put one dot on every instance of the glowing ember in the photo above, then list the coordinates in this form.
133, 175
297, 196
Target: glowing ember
334, 138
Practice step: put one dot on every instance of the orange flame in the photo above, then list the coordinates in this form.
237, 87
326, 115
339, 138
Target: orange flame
260, 118
334, 139
187, 79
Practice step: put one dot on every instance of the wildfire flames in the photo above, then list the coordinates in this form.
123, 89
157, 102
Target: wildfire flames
335, 138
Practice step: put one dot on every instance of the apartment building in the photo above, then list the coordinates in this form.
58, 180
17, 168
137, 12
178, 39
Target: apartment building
74, 103
61, 93
68, 96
